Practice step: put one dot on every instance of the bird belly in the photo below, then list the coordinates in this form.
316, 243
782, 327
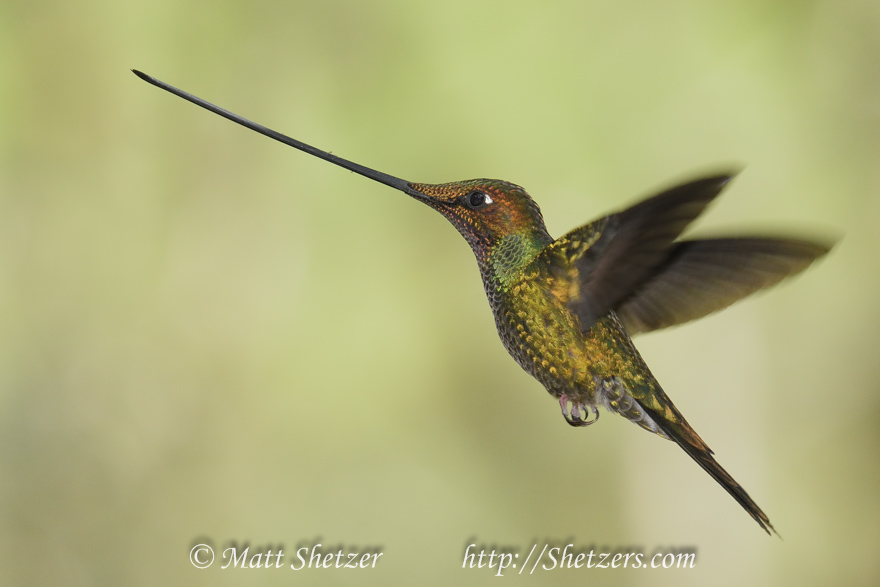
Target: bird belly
544, 338
601, 368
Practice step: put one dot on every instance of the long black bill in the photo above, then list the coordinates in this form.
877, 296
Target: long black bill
388, 180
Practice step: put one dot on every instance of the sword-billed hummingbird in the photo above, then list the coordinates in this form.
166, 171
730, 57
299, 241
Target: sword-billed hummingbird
565, 309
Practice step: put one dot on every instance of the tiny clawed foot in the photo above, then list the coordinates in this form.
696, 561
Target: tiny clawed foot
573, 417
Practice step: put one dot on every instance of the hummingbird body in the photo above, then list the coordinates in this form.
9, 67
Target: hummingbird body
565, 309
555, 302
532, 283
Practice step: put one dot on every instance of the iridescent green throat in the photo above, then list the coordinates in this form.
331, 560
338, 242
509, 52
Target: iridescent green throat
513, 253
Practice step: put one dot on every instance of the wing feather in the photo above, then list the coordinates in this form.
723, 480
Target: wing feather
703, 276
606, 260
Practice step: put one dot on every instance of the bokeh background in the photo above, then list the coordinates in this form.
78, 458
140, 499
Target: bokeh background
207, 335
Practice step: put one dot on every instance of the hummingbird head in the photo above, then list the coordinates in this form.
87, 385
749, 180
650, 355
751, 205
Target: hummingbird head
487, 212
498, 219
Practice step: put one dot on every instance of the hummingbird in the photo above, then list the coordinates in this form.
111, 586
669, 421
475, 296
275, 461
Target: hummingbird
566, 308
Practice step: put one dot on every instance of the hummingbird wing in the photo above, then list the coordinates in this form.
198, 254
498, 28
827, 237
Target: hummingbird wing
702, 276
601, 263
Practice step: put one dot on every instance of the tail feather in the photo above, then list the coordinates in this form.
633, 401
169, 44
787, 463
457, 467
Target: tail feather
690, 442
627, 384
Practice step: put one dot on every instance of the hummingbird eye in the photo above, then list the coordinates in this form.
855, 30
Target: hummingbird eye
477, 199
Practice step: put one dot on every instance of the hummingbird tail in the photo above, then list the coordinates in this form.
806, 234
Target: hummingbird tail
627, 387
692, 444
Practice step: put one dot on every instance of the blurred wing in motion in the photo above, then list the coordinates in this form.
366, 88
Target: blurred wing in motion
606, 260
702, 276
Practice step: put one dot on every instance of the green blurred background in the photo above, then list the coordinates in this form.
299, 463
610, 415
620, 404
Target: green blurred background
206, 334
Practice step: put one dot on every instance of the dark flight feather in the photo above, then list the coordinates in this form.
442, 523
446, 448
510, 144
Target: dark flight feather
702, 276
615, 254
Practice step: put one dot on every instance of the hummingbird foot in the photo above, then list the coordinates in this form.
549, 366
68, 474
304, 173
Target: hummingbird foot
573, 417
